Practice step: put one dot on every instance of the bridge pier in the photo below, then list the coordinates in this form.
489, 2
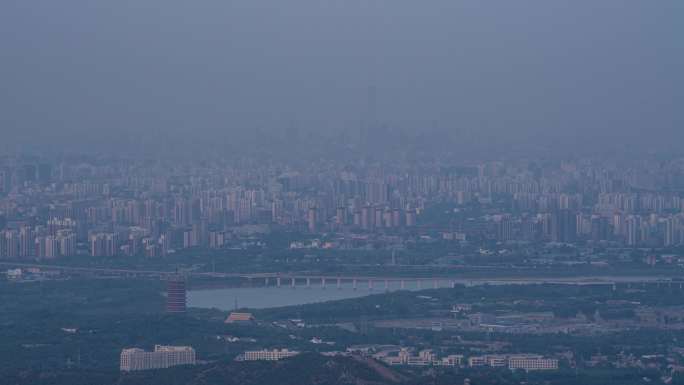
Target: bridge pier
323, 283
354, 284
402, 284
266, 282
293, 282
453, 284
278, 282
370, 284
308, 283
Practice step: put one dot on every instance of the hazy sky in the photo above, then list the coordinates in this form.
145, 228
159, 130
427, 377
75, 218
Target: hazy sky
99, 72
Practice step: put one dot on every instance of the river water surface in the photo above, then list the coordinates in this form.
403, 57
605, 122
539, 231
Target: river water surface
271, 296
268, 297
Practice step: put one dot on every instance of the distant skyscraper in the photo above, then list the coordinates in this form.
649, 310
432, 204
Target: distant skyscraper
599, 229
97, 245
633, 229
165, 244
276, 210
377, 192
671, 236
505, 229
366, 217
111, 244
564, 226
396, 218
104, 245
312, 219
3, 244
5, 180
341, 216
44, 173
410, 218
377, 221
26, 242
387, 218
369, 123
357, 218
181, 212
51, 247
12, 244
67, 243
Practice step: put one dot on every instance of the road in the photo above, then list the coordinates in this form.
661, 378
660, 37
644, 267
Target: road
323, 279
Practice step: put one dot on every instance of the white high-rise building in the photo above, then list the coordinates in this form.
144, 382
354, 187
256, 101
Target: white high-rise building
51, 247
162, 357
67, 243
633, 230
12, 244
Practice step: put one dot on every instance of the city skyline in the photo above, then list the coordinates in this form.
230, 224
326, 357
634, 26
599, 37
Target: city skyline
341, 192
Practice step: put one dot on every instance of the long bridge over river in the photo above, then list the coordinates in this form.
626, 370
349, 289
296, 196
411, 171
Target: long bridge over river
311, 279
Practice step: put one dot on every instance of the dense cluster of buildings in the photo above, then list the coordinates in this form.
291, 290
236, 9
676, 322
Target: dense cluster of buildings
527, 362
162, 357
59, 208
46, 242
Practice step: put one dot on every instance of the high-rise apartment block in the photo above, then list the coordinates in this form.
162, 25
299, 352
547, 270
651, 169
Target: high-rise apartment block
162, 357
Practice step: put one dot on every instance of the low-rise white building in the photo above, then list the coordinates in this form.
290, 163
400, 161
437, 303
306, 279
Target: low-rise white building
268, 355
450, 360
477, 361
424, 358
532, 362
497, 361
14, 274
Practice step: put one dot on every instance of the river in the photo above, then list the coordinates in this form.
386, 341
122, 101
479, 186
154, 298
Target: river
271, 296
268, 297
